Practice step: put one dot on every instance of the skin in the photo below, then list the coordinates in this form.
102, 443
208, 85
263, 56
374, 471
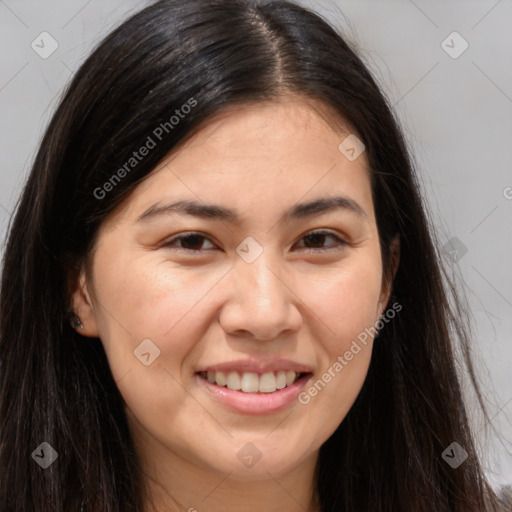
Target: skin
293, 302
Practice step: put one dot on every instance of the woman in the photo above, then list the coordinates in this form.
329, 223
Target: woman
175, 334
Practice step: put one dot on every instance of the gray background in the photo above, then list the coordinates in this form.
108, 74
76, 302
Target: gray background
456, 112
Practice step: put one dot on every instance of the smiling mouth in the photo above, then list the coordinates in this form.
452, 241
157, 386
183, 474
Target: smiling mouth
250, 382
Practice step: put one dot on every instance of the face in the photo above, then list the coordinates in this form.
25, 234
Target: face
252, 291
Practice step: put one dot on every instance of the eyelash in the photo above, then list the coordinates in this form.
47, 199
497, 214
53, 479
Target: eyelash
340, 243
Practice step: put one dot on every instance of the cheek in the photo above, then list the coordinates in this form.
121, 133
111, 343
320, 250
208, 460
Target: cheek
346, 300
346, 303
160, 304
145, 298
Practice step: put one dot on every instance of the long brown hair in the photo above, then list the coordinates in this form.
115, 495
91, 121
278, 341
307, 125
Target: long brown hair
56, 386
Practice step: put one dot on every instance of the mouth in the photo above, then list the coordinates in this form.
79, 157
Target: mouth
252, 382
253, 393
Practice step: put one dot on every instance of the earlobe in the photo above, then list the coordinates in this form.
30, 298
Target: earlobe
388, 279
83, 307
395, 254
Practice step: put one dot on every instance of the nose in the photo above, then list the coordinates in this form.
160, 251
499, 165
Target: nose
262, 301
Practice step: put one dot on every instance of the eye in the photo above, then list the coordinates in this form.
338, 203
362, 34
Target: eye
318, 237
189, 242
192, 242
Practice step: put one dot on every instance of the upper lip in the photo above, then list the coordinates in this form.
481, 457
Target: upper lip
257, 366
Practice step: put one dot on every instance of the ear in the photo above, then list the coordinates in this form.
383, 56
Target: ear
81, 303
387, 279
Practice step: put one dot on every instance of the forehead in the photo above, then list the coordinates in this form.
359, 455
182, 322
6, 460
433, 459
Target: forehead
258, 155
270, 123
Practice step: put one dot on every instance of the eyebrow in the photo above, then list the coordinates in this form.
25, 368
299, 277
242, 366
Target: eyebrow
217, 212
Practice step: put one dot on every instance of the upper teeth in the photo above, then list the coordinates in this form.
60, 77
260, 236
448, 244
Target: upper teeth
250, 382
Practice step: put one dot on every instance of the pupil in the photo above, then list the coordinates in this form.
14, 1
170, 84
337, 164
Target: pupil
195, 238
315, 236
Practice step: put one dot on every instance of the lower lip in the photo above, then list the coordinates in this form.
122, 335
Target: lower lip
255, 403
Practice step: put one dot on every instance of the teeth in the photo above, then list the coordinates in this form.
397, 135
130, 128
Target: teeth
267, 383
220, 378
281, 380
233, 381
250, 382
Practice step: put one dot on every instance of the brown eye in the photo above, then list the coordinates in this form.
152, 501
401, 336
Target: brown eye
314, 241
318, 238
190, 242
